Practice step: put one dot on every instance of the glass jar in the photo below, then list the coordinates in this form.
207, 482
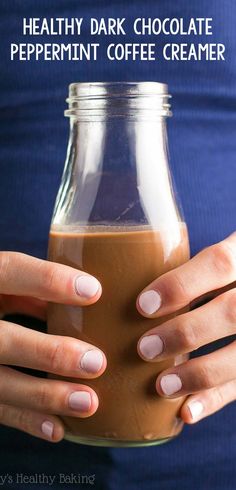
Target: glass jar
116, 217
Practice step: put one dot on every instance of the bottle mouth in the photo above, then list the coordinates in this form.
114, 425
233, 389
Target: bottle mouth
110, 99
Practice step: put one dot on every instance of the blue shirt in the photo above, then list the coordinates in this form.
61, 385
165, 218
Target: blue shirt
202, 141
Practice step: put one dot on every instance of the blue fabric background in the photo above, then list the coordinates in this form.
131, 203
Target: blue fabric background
202, 140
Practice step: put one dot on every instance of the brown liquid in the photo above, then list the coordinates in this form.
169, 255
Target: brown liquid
125, 262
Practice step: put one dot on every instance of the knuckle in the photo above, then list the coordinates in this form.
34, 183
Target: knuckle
47, 276
176, 289
23, 420
57, 354
205, 377
230, 393
55, 357
230, 301
186, 336
224, 258
219, 399
4, 264
62, 356
43, 397
51, 397
2, 413
3, 339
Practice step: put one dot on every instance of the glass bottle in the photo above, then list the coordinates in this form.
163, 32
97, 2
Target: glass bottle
116, 217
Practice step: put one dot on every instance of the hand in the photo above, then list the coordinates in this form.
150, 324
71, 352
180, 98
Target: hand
27, 402
210, 380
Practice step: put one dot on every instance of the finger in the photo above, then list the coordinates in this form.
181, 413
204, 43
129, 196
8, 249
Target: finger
199, 374
211, 269
24, 275
10, 304
207, 402
186, 333
66, 356
37, 424
46, 395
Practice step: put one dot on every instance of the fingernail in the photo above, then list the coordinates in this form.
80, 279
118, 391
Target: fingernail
80, 400
170, 384
92, 361
195, 408
86, 286
47, 428
151, 346
149, 302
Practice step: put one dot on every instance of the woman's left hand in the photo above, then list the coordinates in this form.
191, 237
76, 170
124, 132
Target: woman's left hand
210, 380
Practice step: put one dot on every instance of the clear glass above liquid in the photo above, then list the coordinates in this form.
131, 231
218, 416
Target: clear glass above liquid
116, 217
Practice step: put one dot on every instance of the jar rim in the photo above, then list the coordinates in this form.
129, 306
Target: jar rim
117, 88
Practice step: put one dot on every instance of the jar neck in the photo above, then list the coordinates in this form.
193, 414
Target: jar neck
117, 172
105, 100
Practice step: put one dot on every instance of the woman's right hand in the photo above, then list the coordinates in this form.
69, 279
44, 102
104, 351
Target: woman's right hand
34, 404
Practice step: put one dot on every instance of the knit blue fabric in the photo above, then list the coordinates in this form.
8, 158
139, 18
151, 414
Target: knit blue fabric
202, 141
